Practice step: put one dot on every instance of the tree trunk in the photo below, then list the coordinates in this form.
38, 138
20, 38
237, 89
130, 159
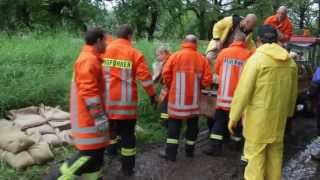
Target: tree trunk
202, 26
153, 23
302, 16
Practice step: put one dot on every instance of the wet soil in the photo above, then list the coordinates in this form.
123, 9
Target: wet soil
149, 166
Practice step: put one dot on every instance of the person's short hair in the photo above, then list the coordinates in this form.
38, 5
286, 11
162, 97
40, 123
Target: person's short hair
162, 49
267, 34
240, 36
124, 31
93, 34
191, 38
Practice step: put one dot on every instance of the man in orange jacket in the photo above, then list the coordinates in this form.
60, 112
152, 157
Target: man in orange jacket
89, 123
123, 65
185, 73
229, 65
282, 23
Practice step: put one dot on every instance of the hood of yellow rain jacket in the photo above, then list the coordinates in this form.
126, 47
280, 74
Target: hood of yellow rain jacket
275, 51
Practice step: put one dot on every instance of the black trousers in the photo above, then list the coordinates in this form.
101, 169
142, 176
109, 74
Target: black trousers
164, 116
219, 131
174, 129
122, 134
89, 161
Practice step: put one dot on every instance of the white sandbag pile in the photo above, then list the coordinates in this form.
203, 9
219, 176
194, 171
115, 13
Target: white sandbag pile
29, 135
52, 124
20, 150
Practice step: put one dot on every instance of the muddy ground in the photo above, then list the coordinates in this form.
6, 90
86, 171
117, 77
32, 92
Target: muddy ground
297, 164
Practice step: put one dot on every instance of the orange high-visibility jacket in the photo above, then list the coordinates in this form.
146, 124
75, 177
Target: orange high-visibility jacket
229, 64
184, 74
285, 26
86, 101
123, 65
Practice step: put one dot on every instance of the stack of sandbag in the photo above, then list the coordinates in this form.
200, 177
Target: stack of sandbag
20, 150
52, 124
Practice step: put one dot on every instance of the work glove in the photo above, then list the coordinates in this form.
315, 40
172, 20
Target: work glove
102, 126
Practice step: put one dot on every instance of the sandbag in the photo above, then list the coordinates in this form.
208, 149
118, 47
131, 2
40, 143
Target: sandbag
43, 129
12, 139
65, 136
52, 139
40, 151
28, 110
207, 103
18, 161
50, 113
25, 121
61, 125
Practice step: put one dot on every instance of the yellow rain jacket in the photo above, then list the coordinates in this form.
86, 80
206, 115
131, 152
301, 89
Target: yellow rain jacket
266, 94
221, 30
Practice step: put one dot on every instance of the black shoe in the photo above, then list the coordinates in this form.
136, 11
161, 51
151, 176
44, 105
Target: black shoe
164, 155
213, 150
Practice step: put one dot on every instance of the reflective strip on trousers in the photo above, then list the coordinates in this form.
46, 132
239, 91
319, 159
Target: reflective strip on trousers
69, 172
191, 143
164, 115
128, 151
122, 112
88, 141
172, 141
216, 136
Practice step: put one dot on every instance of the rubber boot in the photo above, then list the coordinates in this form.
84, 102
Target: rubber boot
214, 148
189, 149
92, 176
128, 164
171, 152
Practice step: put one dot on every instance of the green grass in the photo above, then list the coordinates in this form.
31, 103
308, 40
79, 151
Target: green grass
37, 69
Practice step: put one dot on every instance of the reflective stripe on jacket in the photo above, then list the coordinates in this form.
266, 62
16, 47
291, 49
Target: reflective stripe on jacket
221, 30
228, 66
123, 65
86, 101
266, 94
184, 74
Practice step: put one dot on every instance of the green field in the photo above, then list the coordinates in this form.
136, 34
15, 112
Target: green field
37, 68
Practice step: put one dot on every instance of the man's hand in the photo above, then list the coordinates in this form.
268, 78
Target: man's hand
218, 44
231, 126
102, 126
280, 35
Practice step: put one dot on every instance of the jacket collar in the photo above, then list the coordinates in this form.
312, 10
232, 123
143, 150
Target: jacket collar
123, 41
188, 45
238, 44
90, 49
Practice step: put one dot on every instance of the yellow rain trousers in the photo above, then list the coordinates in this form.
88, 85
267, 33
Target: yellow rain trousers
265, 97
